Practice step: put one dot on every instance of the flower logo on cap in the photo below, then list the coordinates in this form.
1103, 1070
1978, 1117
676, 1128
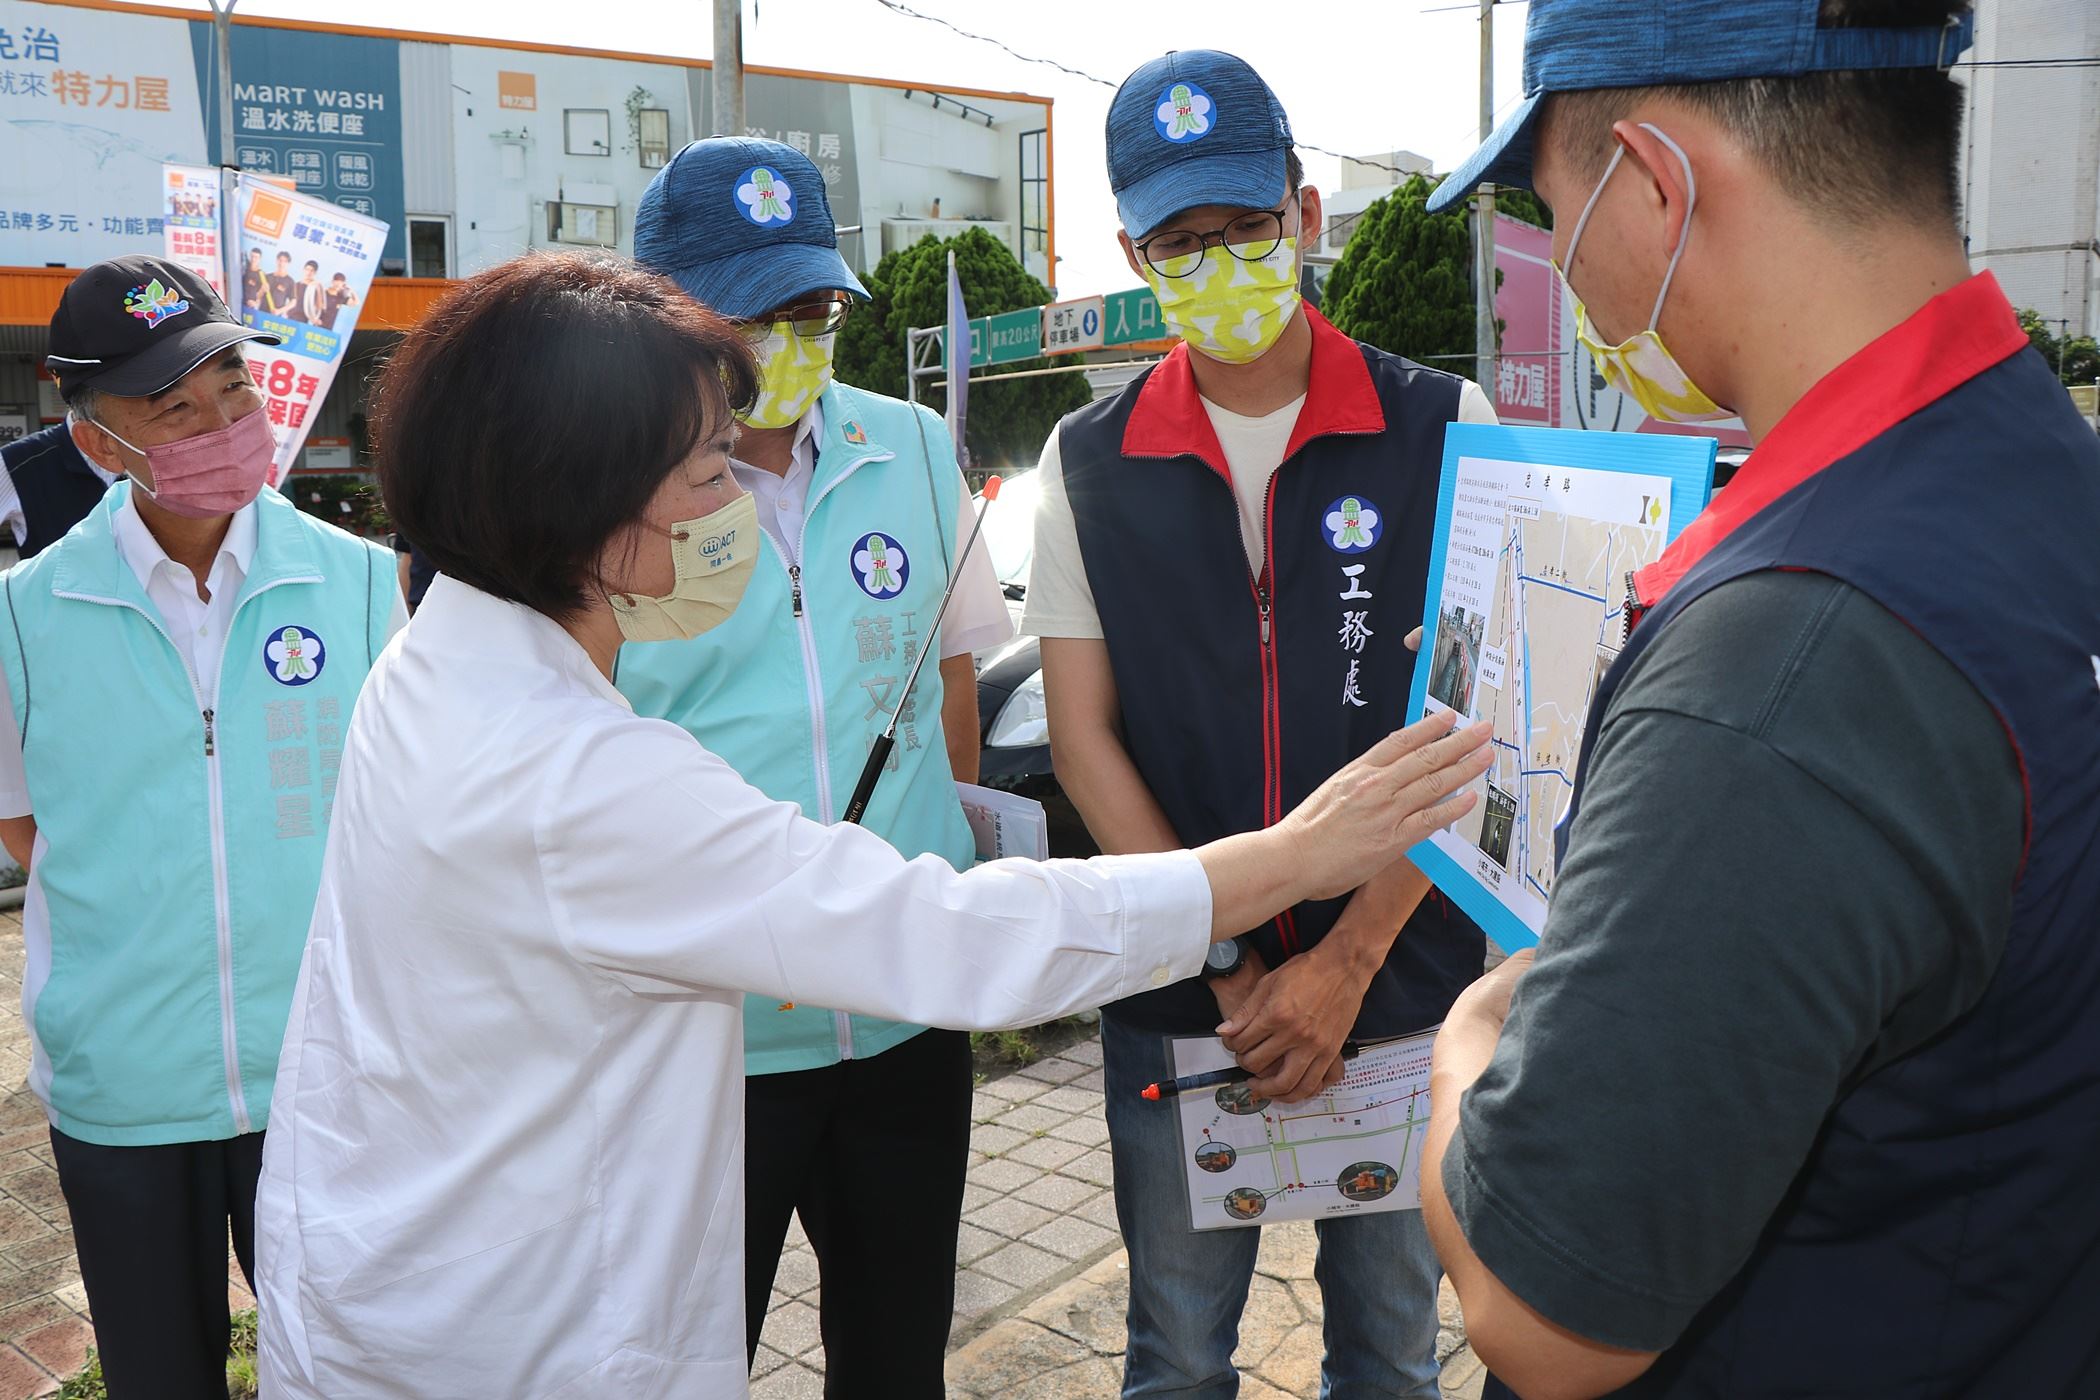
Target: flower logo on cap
880, 566
1184, 113
764, 197
1352, 525
294, 656
154, 303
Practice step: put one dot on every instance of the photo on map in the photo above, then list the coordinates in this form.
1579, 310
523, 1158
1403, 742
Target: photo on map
1497, 825
1456, 660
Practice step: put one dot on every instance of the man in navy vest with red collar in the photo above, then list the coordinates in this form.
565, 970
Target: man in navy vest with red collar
1228, 557
1801, 1095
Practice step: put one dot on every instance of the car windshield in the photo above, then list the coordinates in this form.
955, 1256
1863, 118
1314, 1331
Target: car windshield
1009, 528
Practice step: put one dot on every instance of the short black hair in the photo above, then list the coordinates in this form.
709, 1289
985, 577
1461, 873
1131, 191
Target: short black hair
312, 265
1855, 146
1293, 170
534, 411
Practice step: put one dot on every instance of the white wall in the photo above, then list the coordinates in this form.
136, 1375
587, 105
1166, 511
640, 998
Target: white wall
2031, 178
502, 210
911, 153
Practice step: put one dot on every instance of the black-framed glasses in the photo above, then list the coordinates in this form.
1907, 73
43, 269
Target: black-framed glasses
1250, 238
808, 319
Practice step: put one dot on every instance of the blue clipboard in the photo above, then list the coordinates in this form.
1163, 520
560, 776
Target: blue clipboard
1686, 462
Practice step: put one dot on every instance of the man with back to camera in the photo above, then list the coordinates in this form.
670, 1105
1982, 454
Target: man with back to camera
1210, 641
1801, 1095
864, 512
48, 488
178, 674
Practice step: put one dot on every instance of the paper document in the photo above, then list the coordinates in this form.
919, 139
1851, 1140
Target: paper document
1006, 825
1537, 536
1355, 1148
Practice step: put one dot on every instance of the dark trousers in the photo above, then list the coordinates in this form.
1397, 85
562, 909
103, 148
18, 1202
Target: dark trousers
149, 1225
872, 1154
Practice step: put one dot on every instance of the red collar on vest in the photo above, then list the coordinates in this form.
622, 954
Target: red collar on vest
1956, 336
1168, 419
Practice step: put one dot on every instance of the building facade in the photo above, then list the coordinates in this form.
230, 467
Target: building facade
472, 151
2031, 156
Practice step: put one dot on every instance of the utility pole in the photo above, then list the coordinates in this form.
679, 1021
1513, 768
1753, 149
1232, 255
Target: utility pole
729, 68
226, 153
1484, 217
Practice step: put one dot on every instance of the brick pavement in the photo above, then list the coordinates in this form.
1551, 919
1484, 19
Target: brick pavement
1040, 1283
44, 1330
1042, 1277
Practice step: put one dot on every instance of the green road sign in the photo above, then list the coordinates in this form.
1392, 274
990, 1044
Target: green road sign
1129, 317
1017, 335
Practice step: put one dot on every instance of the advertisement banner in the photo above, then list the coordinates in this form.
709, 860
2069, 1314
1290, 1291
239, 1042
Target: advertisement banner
1544, 378
190, 222
321, 110
1527, 387
308, 265
92, 105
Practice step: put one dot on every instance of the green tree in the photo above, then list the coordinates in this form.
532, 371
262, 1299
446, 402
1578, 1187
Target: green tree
1523, 204
1404, 283
1009, 420
2075, 359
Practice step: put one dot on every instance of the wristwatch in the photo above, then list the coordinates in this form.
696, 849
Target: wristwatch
1224, 959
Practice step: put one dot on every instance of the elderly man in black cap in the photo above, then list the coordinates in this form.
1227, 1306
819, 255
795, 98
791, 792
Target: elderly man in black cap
177, 676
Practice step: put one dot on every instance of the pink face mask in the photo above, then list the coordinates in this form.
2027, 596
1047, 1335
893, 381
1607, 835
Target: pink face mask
212, 473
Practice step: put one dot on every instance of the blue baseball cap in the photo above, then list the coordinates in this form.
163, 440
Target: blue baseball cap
743, 225
1197, 127
1581, 45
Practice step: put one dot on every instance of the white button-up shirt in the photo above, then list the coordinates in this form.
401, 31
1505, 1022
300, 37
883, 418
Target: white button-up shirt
505, 1152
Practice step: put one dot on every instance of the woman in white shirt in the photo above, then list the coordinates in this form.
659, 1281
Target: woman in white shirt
504, 1156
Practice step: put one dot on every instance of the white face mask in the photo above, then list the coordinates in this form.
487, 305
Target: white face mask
1641, 367
714, 556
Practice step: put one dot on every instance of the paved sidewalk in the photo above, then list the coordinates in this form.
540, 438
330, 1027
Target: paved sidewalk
44, 1329
1041, 1277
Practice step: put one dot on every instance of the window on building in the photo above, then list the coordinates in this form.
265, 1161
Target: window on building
653, 136
587, 131
1035, 199
429, 246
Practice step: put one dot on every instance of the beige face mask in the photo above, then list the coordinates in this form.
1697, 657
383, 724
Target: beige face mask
714, 556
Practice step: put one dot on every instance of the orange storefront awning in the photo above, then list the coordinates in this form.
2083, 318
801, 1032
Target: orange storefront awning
28, 296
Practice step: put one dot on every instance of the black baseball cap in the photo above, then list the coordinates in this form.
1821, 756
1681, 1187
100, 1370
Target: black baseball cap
133, 326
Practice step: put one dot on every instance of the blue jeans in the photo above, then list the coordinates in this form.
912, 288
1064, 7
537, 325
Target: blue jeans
1377, 1273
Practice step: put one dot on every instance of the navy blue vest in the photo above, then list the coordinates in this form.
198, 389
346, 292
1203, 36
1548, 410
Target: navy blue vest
56, 487
1241, 695
1943, 1237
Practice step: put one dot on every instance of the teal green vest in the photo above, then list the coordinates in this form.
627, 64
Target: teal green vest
793, 699
183, 837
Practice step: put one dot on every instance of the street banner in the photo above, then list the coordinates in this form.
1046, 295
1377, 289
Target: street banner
190, 222
306, 266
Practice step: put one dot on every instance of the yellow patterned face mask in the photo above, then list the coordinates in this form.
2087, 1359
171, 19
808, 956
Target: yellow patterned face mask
793, 371
1641, 366
1228, 309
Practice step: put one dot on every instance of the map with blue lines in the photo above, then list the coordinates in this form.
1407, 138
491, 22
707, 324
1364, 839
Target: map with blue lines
1529, 614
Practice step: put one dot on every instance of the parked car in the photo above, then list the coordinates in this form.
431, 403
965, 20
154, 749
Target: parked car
1011, 713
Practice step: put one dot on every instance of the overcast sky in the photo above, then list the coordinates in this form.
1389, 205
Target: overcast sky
1360, 76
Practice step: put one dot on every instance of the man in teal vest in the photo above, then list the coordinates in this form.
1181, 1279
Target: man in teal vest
178, 673
860, 1126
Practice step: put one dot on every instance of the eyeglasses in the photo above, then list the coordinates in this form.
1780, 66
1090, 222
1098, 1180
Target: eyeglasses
1250, 238
808, 319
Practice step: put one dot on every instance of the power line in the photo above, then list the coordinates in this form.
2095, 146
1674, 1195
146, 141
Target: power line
1104, 82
